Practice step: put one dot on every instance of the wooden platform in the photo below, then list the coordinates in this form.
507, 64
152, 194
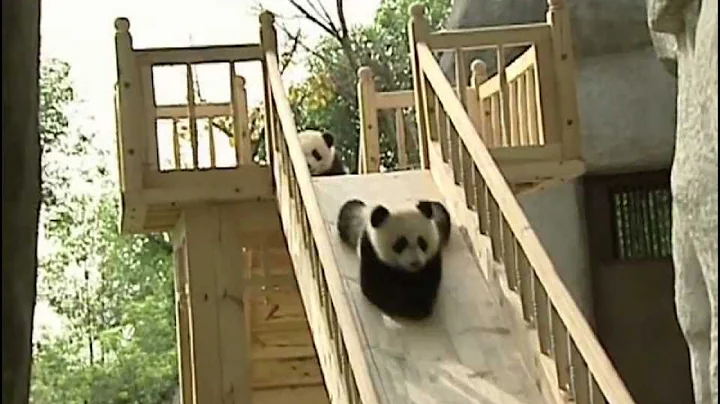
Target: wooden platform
465, 353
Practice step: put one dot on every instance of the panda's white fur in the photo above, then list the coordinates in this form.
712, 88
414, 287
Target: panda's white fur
320, 153
400, 253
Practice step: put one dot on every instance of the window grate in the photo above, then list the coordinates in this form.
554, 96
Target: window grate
641, 223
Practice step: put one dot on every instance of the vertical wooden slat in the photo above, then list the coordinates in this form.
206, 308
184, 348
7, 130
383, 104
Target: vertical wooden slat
211, 143
580, 376
443, 137
402, 153
513, 112
487, 122
508, 248
467, 177
495, 228
522, 115
560, 350
176, 145
525, 277
192, 125
461, 78
455, 154
497, 132
481, 202
542, 316
183, 317
532, 113
504, 96
479, 75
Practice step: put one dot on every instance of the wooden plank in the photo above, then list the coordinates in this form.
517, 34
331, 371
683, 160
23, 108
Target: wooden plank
231, 270
488, 37
199, 54
205, 110
286, 372
306, 394
204, 326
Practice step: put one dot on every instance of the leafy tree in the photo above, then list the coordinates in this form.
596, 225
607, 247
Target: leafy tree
114, 292
328, 98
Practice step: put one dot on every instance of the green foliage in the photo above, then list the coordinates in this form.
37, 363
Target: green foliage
114, 293
328, 98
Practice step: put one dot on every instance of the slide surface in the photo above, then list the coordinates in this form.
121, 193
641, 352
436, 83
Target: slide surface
465, 353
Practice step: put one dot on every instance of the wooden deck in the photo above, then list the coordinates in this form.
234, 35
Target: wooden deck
465, 353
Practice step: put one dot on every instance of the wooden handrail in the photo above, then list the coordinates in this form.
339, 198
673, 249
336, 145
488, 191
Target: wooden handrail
341, 303
589, 347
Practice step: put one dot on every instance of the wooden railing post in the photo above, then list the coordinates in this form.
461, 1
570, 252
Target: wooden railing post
558, 16
268, 42
131, 147
418, 31
369, 134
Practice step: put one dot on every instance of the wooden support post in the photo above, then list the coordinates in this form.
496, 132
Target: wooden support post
213, 246
268, 43
182, 318
558, 16
369, 133
130, 145
418, 31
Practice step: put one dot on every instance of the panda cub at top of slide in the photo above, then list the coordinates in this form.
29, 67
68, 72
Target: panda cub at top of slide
400, 254
320, 153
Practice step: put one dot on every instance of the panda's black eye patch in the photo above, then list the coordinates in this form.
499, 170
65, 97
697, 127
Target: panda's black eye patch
316, 155
400, 245
422, 243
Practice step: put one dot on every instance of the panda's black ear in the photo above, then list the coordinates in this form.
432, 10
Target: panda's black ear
426, 208
378, 216
329, 139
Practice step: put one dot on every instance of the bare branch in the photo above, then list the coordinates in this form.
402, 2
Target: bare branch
322, 10
330, 29
288, 55
341, 17
320, 56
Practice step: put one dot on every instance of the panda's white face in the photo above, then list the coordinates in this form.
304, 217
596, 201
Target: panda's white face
405, 239
319, 150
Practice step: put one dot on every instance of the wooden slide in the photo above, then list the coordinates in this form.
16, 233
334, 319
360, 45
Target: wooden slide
466, 352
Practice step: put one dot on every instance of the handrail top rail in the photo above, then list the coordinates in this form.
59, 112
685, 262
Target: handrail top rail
578, 328
199, 54
361, 368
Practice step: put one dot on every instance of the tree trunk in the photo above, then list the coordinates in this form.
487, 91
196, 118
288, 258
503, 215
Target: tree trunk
20, 191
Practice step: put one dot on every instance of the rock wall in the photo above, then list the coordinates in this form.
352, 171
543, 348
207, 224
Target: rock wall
687, 30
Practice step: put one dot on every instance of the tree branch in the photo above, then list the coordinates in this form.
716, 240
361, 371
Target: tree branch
330, 29
341, 17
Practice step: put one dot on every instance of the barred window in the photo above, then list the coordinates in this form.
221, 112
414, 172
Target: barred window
641, 222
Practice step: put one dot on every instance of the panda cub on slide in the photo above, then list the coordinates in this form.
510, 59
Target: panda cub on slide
400, 254
320, 153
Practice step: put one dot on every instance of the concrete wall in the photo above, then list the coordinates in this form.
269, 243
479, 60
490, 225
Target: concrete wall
627, 113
